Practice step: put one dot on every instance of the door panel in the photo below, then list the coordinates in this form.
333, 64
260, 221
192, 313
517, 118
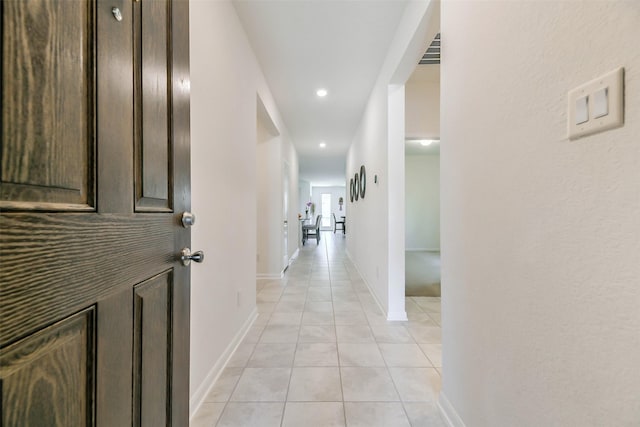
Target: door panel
60, 263
116, 259
115, 107
48, 99
153, 145
49, 376
152, 350
114, 391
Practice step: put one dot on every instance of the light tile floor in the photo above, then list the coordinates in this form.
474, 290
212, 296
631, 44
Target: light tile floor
322, 354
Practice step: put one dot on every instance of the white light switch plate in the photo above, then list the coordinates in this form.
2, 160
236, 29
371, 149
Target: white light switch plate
614, 83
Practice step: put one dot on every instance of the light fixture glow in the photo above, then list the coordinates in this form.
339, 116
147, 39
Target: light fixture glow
323, 144
426, 142
321, 93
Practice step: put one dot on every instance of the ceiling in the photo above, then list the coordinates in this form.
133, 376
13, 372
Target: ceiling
304, 45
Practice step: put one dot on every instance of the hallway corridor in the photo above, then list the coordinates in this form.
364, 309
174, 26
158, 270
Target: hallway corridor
322, 354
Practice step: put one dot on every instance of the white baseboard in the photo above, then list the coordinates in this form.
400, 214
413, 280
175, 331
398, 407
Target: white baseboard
270, 276
448, 412
396, 316
209, 381
422, 249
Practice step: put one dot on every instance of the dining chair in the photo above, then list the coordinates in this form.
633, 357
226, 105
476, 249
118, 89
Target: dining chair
336, 223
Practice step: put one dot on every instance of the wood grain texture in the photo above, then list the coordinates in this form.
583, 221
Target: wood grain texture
47, 103
153, 105
115, 108
114, 372
152, 342
72, 260
56, 263
47, 378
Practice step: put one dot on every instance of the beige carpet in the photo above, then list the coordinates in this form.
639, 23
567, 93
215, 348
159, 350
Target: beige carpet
422, 274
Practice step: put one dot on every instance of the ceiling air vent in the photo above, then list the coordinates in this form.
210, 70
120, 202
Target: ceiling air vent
432, 55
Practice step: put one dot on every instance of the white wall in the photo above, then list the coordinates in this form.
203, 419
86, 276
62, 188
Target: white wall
290, 158
379, 145
304, 194
225, 79
422, 103
269, 211
422, 209
275, 154
368, 250
540, 234
336, 193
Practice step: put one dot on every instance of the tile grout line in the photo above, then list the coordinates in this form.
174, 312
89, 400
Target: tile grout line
286, 397
344, 406
318, 267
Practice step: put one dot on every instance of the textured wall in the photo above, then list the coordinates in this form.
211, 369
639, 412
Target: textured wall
540, 235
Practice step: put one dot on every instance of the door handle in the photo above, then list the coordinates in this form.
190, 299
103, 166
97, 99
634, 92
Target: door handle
186, 256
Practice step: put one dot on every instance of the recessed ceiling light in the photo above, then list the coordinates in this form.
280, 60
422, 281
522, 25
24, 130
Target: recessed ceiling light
322, 145
321, 93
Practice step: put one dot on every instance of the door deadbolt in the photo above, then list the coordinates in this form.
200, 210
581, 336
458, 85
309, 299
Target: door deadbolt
188, 219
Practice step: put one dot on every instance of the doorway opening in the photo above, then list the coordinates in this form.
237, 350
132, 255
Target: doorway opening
422, 192
272, 198
325, 203
422, 177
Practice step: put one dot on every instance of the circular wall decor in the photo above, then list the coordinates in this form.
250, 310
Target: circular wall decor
356, 186
363, 181
351, 189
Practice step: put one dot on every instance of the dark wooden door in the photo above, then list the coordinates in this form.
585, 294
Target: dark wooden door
94, 177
